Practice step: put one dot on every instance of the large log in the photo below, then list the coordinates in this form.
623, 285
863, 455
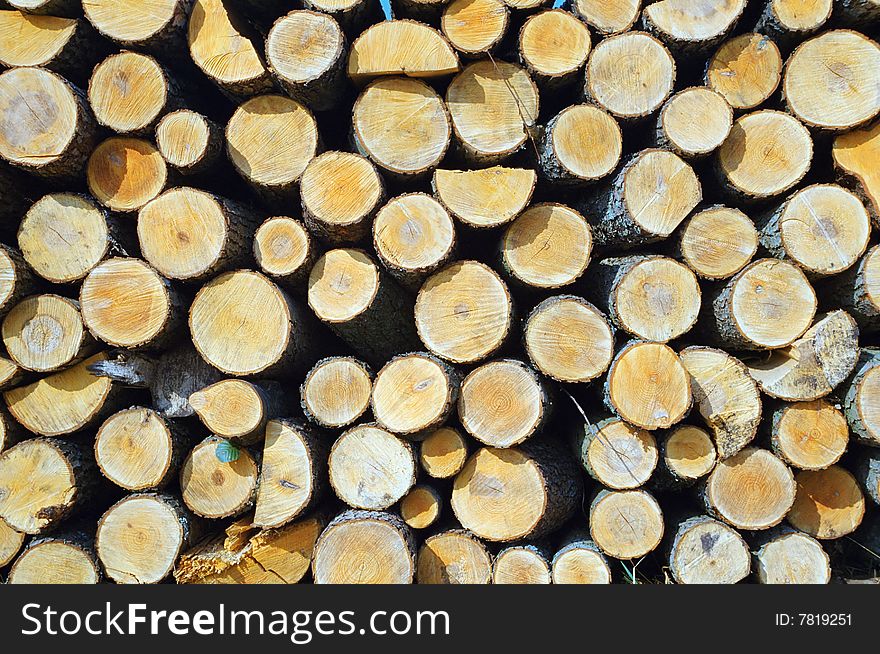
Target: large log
580, 561
829, 503
788, 21
690, 28
219, 480
706, 551
238, 409
745, 70
487, 197
63, 558
401, 47
155, 25
716, 242
808, 435
455, 556
787, 556
696, 105
581, 144
475, 27
554, 46
607, 16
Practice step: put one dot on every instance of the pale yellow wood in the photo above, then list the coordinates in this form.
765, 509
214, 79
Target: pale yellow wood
10, 542
287, 478
746, 70
213, 488
689, 453
303, 45
443, 453
413, 232
626, 524
694, 20
554, 43
710, 552
487, 197
126, 173
54, 562
281, 246
474, 26
718, 242
363, 551
127, 91
340, 188
580, 566
856, 153
520, 565
182, 137
342, 285
411, 393
587, 141
133, 448
829, 503
660, 214
337, 391
608, 16
697, 120
454, 557
129, 20
801, 15
811, 435
621, 456
44, 332
793, 558
32, 40
401, 47
219, 47
421, 507
230, 408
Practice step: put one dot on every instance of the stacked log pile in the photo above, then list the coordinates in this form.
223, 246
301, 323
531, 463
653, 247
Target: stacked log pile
486, 292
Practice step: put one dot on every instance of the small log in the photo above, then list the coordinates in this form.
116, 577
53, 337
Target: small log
626, 525
616, 454
751, 490
475, 27
860, 393
284, 250
443, 453
371, 468
354, 16
17, 279
362, 305
790, 21
678, 120
293, 475
159, 27
746, 70
401, 47
579, 145
554, 46
365, 547
868, 473
688, 454
580, 561
10, 543
607, 16
648, 386
455, 556
64, 558
421, 507
808, 435
485, 198
853, 154
125, 173
336, 391
786, 556
717, 242
857, 291
189, 141
706, 551
829, 503
688, 28
237, 409
341, 193
218, 480
521, 564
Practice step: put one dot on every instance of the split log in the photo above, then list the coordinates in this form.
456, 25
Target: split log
10, 543
694, 122
854, 154
725, 395
616, 454
140, 537
237, 409
293, 474
580, 562
189, 141
746, 70
365, 547
485, 198
354, 16
336, 391
706, 551
688, 454
868, 473
808, 435
443, 453
341, 193
717, 242
414, 394
554, 46
218, 479
828, 80
125, 173
516, 493
464, 313
137, 449
789, 21
547, 246
607, 16
401, 47
44, 481
648, 386
860, 394
475, 27
494, 107
829, 503
65, 558
579, 145
362, 305
454, 557
627, 524
691, 28
157, 25
371, 468
568, 339
421, 507
768, 304
17, 279
787, 556
751, 490
857, 291
284, 250
504, 403
402, 125
521, 564
126, 303
56, 142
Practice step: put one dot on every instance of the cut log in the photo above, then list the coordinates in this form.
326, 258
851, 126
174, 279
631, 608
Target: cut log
125, 173
766, 305
365, 547
140, 537
226, 51
443, 453
868, 473
128, 304
568, 339
648, 386
616, 454
421, 507
808, 435
503, 403
272, 170
189, 141
237, 409
494, 107
10, 374
515, 493
547, 246
401, 47
137, 449
65, 235
305, 50
829, 503
861, 398
857, 291
694, 122
454, 557
580, 562
285, 251
725, 395
626, 525
521, 564
336, 391
46, 332
717, 242
789, 21
349, 292
767, 153
607, 16
371, 468
17, 279
354, 16
554, 46
60, 559
64, 402
54, 142
341, 193
630, 75
218, 479
854, 154
581, 144
273, 333
651, 297
402, 125
791, 557
691, 28
155, 25
414, 394
475, 27
745, 70
10, 543
829, 81
815, 364
293, 475
750, 490
628, 212
485, 198
706, 551
688, 454
413, 236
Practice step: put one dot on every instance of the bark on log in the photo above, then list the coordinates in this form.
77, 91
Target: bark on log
808, 435
485, 198
285, 251
63, 558
238, 409
219, 480
11, 432
790, 21
125, 173
626, 525
580, 561
860, 393
336, 391
858, 12
456, 556
706, 551
716, 243
521, 564
443, 453
787, 556
857, 291
746, 70
829, 503
475, 27
616, 454
17, 279
190, 142
868, 473
421, 506
853, 154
